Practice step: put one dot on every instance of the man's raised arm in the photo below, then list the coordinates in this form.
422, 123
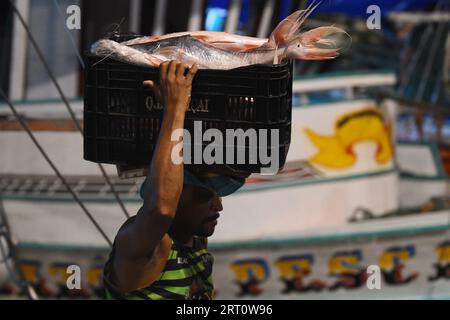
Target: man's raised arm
137, 242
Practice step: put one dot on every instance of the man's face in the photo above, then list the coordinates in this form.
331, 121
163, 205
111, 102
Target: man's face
198, 210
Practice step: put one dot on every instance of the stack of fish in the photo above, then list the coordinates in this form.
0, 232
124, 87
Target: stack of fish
221, 50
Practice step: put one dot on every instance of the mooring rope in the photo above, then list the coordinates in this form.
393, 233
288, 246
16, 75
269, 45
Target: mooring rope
52, 165
66, 102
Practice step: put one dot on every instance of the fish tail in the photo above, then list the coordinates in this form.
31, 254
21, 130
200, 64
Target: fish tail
279, 35
318, 36
289, 28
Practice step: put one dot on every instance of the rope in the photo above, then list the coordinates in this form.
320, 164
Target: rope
66, 102
72, 41
50, 162
405, 80
417, 54
18, 276
429, 65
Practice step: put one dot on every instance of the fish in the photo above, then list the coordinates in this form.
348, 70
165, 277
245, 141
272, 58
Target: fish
220, 39
221, 50
191, 51
285, 31
336, 151
111, 49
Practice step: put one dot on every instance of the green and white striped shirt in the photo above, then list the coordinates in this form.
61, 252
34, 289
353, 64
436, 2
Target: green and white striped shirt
187, 275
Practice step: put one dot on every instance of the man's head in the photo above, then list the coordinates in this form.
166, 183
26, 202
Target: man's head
198, 211
200, 202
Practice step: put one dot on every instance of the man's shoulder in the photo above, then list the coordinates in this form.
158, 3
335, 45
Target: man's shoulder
128, 222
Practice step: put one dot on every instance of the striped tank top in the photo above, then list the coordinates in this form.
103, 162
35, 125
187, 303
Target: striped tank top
187, 275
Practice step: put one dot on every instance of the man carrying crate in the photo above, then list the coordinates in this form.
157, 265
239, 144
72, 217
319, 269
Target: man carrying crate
161, 253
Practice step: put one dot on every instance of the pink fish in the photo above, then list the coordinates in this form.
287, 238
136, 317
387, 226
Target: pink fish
287, 29
221, 50
190, 50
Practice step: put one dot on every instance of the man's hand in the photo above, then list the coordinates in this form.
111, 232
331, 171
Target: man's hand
175, 85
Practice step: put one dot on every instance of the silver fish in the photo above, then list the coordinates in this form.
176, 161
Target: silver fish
288, 29
190, 50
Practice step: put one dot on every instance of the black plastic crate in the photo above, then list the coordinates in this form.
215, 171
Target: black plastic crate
122, 119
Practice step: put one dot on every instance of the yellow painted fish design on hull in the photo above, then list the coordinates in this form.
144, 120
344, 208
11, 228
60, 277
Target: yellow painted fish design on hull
336, 152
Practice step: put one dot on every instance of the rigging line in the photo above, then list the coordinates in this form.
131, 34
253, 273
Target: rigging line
4, 230
433, 52
5, 259
72, 41
66, 102
52, 165
440, 82
3, 234
46, 66
417, 54
18, 277
415, 59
